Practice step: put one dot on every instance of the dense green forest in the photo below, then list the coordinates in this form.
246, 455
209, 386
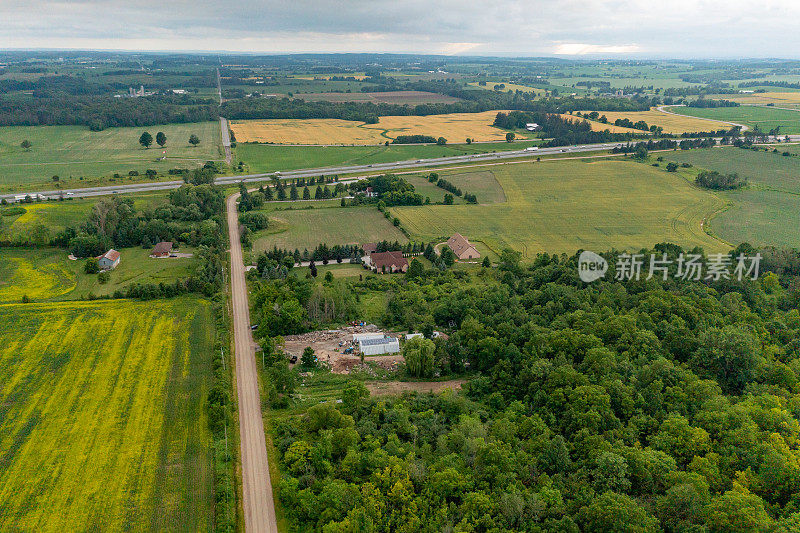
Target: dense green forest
640, 405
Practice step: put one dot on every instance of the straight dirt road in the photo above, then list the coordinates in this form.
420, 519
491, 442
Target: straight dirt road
259, 508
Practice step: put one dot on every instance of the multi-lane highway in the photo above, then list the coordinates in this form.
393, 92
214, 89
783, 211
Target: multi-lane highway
327, 171
307, 173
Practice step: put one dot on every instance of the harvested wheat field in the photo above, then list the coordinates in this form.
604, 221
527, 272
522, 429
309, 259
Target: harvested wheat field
454, 127
671, 123
387, 97
599, 126
778, 98
509, 87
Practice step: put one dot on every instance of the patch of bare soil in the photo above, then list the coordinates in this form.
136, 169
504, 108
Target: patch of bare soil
384, 388
329, 345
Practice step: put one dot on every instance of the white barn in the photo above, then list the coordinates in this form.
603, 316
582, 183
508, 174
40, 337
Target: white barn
379, 346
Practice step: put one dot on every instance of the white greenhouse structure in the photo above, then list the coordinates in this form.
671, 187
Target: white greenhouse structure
378, 346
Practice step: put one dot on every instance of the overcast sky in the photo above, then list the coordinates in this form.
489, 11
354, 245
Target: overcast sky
621, 28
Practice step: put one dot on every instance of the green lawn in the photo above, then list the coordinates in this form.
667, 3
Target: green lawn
103, 425
306, 228
269, 158
344, 270
74, 152
44, 274
561, 206
765, 118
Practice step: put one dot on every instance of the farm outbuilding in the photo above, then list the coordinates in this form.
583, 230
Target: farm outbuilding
162, 249
379, 346
109, 260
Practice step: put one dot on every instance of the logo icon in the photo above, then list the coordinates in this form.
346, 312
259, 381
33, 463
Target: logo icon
591, 266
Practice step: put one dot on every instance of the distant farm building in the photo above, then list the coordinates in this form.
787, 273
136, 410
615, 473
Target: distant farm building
109, 260
379, 346
162, 249
462, 247
387, 262
531, 126
369, 248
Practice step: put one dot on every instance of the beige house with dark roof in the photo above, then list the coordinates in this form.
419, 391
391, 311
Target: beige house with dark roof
463, 249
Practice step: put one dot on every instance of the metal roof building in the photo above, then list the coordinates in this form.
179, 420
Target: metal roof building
379, 346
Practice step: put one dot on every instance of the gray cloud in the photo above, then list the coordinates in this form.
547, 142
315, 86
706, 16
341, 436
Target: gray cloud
693, 28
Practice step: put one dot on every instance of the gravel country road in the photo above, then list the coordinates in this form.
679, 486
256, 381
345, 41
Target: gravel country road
259, 508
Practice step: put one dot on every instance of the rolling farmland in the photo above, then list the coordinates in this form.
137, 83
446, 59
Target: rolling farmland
454, 127
765, 169
509, 87
778, 98
765, 118
566, 205
389, 97
670, 123
765, 213
37, 274
105, 431
46, 274
306, 228
271, 157
75, 152
760, 217
600, 126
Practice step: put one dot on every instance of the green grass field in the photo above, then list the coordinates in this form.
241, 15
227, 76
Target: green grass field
72, 152
306, 228
102, 418
765, 118
270, 157
760, 168
47, 273
566, 205
480, 183
760, 217
767, 212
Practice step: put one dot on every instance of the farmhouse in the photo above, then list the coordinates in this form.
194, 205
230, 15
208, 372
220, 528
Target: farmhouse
109, 260
162, 249
378, 346
369, 248
462, 247
388, 262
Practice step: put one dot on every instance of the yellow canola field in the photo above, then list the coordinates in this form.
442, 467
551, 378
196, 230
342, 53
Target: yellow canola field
103, 424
